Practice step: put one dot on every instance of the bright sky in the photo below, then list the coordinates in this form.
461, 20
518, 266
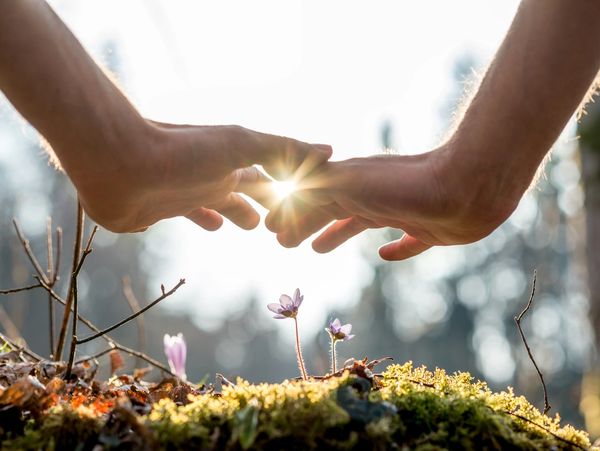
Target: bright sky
327, 72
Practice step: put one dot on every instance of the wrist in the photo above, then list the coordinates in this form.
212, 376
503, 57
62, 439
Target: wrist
484, 190
112, 175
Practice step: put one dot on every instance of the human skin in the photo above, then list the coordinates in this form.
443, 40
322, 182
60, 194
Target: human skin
131, 172
464, 189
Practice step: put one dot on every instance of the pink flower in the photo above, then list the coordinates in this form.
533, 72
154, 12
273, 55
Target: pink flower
176, 351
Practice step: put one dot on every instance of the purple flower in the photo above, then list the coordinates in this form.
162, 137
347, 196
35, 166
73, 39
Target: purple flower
176, 351
287, 307
339, 332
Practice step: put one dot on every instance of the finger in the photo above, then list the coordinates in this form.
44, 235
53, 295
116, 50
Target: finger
405, 247
341, 231
281, 156
206, 218
287, 213
238, 211
304, 227
257, 185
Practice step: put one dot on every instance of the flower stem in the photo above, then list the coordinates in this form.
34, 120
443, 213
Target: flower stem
333, 356
299, 352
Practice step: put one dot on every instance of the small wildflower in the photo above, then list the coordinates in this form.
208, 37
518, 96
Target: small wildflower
176, 351
339, 332
287, 307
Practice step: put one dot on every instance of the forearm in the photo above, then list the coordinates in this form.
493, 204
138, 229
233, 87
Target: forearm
57, 87
537, 79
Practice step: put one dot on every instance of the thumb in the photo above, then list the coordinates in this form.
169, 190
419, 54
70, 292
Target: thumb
405, 247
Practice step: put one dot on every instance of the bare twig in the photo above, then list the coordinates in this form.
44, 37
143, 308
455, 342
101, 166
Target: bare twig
131, 317
556, 436
94, 357
25, 243
51, 276
144, 357
518, 322
25, 351
108, 339
50, 263
17, 290
76, 258
56, 275
87, 251
135, 306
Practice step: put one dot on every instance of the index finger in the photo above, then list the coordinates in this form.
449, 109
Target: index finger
282, 157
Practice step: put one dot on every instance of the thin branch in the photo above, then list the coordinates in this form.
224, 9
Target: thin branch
135, 306
144, 357
59, 237
87, 251
108, 339
556, 436
131, 317
76, 257
518, 322
25, 243
94, 357
50, 263
51, 274
17, 290
25, 351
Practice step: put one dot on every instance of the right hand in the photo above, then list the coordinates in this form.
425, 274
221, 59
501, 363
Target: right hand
424, 195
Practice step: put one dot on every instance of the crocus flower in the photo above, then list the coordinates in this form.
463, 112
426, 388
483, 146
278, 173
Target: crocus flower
287, 307
176, 351
339, 332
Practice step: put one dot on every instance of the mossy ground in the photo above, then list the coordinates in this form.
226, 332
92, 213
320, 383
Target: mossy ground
412, 408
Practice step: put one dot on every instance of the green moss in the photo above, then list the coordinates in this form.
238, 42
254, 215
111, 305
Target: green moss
60, 429
412, 409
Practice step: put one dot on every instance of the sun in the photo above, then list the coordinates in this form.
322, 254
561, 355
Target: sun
283, 189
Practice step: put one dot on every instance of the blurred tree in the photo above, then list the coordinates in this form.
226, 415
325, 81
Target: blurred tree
589, 144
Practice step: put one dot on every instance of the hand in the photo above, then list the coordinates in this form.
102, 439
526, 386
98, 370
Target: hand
423, 195
192, 171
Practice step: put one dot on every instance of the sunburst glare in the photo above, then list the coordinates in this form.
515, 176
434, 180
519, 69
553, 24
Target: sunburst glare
283, 189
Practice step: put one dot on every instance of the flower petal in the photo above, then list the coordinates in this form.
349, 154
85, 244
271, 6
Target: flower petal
349, 337
274, 307
298, 298
346, 329
336, 324
286, 302
279, 317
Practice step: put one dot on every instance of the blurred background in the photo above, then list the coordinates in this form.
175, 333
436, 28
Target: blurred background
363, 79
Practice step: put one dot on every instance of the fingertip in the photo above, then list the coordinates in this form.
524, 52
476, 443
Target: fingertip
251, 222
208, 219
212, 226
286, 241
325, 149
320, 248
272, 222
388, 254
402, 249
